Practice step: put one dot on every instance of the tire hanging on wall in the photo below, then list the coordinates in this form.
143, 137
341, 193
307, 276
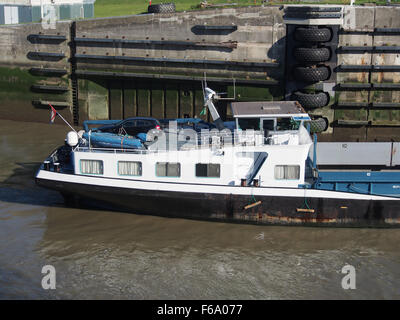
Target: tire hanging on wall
313, 35
161, 8
318, 125
308, 74
312, 55
311, 100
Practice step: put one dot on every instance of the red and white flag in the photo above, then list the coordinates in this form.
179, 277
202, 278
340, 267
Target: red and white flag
52, 114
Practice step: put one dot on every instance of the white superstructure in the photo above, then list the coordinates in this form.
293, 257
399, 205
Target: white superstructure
274, 158
271, 165
259, 170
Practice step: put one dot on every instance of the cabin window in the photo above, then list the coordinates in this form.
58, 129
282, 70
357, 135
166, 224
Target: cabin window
249, 123
211, 170
287, 124
92, 167
287, 172
129, 168
168, 169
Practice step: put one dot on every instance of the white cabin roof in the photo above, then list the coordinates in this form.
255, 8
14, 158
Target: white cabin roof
262, 109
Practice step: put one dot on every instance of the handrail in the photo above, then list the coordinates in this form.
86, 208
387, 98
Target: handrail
111, 150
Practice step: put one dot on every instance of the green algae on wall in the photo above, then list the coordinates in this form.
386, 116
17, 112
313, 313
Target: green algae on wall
14, 81
17, 95
93, 99
117, 99
246, 93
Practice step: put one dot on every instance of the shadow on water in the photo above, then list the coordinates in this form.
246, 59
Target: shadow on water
20, 187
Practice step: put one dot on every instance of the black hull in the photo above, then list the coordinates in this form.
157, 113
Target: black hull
231, 208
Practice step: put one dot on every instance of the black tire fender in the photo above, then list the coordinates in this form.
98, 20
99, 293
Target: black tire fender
307, 74
312, 55
311, 100
319, 124
161, 8
313, 35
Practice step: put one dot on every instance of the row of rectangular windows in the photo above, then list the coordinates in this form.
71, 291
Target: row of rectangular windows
173, 169
163, 169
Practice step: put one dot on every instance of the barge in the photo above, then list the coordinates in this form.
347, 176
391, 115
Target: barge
264, 171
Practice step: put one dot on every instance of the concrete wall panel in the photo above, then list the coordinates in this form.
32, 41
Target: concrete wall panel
387, 17
116, 100
143, 102
129, 101
259, 37
358, 18
157, 102
346, 58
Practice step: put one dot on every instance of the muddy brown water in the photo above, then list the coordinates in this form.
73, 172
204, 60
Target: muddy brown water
111, 255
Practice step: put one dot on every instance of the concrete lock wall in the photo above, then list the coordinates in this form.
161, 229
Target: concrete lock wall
152, 65
174, 54
369, 110
26, 77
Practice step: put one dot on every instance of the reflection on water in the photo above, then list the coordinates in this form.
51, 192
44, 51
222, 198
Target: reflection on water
102, 254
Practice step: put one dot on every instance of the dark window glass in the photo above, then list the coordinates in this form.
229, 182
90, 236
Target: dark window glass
251, 123
168, 169
211, 170
287, 124
129, 123
268, 125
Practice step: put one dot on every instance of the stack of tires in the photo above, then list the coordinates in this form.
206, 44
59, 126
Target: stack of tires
310, 68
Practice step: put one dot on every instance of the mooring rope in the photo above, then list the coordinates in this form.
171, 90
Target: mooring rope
253, 198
